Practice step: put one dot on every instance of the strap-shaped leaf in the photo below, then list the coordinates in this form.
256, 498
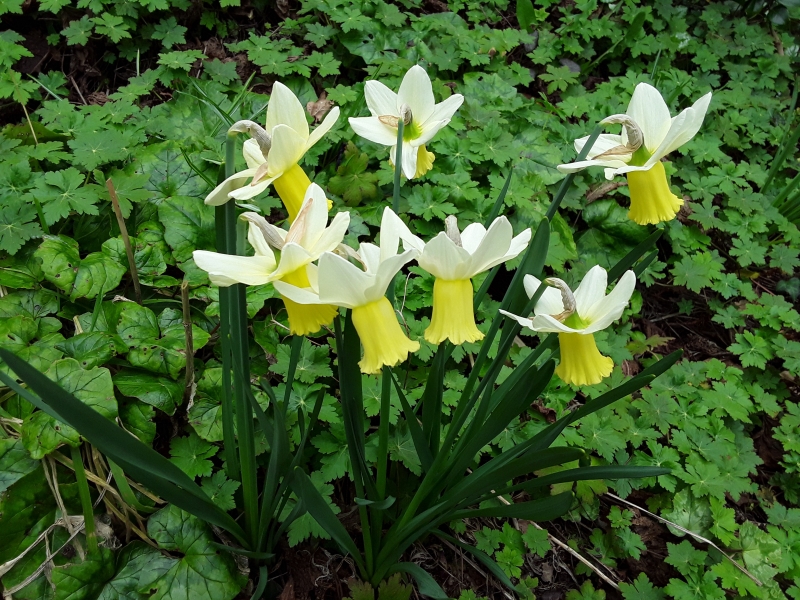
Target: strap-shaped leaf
542, 509
588, 473
322, 513
432, 400
137, 459
631, 257
417, 436
487, 561
426, 585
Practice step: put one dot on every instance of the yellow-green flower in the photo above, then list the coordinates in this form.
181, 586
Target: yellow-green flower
273, 152
454, 257
576, 317
308, 237
649, 134
341, 283
415, 105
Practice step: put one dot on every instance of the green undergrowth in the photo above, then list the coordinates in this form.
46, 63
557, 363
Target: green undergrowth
724, 287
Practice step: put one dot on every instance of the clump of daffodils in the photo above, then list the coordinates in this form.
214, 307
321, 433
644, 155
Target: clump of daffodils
649, 133
285, 257
362, 287
576, 317
273, 152
454, 257
413, 104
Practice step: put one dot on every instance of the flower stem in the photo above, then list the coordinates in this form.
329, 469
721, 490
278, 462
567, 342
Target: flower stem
86, 499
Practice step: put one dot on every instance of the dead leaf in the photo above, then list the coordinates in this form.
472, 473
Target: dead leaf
319, 109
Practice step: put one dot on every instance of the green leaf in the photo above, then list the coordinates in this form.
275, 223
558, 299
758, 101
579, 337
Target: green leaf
537, 541
137, 418
15, 462
93, 348
112, 26
169, 32
351, 181
426, 585
221, 489
640, 589
80, 278
203, 573
93, 148
313, 364
188, 226
160, 392
136, 563
191, 454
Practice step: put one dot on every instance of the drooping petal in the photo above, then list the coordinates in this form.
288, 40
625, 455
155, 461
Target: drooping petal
225, 269
445, 110
252, 154
251, 191
521, 320
443, 259
293, 257
372, 257
288, 148
285, 109
547, 324
682, 129
370, 128
221, 194
604, 143
327, 123
610, 308
651, 113
417, 92
340, 282
296, 294
316, 216
549, 303
583, 164
393, 229
591, 290
257, 240
409, 160
381, 101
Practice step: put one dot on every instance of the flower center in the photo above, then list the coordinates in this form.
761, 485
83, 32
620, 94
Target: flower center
574, 321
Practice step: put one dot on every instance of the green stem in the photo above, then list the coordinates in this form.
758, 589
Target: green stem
383, 430
398, 166
39, 212
86, 499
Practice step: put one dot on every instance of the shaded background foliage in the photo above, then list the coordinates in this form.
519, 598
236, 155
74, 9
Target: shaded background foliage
142, 92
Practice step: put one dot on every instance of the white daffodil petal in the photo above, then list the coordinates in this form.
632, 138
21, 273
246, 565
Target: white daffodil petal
386, 272
603, 143
327, 123
549, 303
409, 160
429, 129
293, 257
221, 194
371, 256
591, 290
518, 244
521, 320
393, 229
370, 128
252, 154
547, 324
296, 294
417, 92
316, 216
651, 113
583, 164
341, 283
288, 147
444, 260
682, 128
381, 101
445, 110
249, 270
472, 236
251, 191
493, 247
332, 236
610, 308
285, 109
257, 241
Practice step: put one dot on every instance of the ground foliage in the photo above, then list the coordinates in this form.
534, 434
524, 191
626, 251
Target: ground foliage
142, 92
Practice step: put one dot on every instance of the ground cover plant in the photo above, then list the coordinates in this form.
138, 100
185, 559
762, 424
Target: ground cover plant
116, 118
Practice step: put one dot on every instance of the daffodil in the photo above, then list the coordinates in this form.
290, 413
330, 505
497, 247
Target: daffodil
308, 237
272, 153
454, 257
648, 135
576, 317
341, 283
415, 105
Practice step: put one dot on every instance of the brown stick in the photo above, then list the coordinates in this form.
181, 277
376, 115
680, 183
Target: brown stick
187, 328
125, 239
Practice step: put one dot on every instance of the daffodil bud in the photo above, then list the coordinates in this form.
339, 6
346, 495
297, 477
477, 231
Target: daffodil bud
567, 298
451, 229
634, 132
405, 114
255, 131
